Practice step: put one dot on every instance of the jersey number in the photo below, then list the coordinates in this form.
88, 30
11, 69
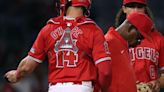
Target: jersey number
66, 59
152, 72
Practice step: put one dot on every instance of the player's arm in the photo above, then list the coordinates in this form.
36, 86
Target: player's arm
161, 63
102, 58
154, 85
25, 67
157, 84
30, 62
161, 79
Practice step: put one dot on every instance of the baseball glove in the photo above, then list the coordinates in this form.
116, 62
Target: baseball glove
143, 87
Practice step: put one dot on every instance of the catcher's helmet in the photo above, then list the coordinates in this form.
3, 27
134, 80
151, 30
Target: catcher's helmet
62, 4
134, 1
85, 3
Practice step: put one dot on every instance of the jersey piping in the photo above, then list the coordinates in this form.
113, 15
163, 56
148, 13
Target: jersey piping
102, 59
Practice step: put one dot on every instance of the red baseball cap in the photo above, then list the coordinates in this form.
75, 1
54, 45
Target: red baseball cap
142, 22
135, 1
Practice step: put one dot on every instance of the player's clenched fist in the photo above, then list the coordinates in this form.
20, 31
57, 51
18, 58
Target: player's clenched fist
11, 76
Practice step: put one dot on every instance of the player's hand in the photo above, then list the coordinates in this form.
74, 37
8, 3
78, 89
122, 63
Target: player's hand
11, 76
155, 85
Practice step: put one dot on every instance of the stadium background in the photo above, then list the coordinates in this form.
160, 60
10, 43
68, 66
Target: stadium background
21, 20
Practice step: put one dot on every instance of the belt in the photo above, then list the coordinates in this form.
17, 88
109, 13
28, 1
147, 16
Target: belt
87, 83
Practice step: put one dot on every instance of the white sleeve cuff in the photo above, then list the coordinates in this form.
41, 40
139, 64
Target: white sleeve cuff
35, 59
102, 59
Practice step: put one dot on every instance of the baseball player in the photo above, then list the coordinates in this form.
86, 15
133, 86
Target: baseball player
76, 49
129, 34
147, 58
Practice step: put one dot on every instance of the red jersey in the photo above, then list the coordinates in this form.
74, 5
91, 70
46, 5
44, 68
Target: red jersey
147, 58
73, 47
123, 77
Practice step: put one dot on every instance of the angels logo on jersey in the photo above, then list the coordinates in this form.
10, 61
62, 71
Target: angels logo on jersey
66, 50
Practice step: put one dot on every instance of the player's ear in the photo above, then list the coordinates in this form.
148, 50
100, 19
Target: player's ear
124, 9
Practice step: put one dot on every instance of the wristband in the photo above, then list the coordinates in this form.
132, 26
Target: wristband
18, 75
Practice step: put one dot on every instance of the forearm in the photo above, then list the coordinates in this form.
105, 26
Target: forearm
25, 67
161, 80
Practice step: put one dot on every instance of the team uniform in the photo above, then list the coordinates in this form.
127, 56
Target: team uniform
147, 58
74, 47
123, 77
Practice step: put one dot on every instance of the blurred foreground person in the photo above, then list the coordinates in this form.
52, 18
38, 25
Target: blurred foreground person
147, 58
129, 34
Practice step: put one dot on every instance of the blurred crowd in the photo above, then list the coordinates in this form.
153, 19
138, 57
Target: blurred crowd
20, 22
